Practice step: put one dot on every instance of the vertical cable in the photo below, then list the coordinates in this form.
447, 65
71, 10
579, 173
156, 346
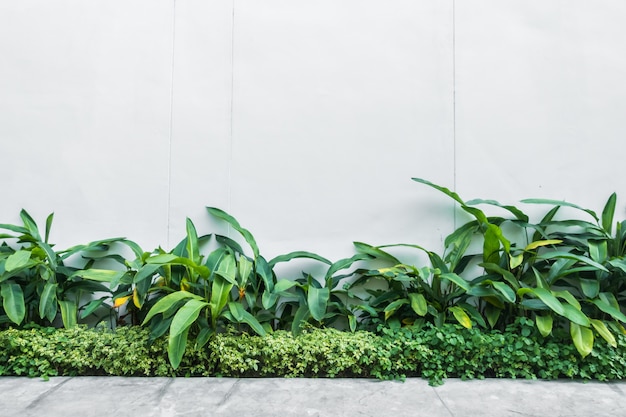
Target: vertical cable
169, 156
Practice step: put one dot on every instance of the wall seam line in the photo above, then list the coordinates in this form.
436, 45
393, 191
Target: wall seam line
232, 116
169, 159
454, 162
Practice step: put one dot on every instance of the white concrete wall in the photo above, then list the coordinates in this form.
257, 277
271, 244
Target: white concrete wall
305, 120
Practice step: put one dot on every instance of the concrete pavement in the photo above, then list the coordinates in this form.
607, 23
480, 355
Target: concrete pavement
165, 397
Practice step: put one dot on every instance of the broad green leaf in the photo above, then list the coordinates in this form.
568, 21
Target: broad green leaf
263, 269
540, 243
604, 332
505, 290
283, 285
48, 301
598, 251
512, 209
298, 255
101, 275
515, 261
352, 322
609, 309
220, 291
544, 324
608, 213
582, 338
146, 271
243, 316
493, 314
376, 253
14, 228
545, 296
176, 347
193, 250
574, 315
48, 226
186, 316
13, 301
568, 255
393, 307
567, 296
227, 268
235, 225
17, 260
269, 299
245, 268
461, 316
452, 277
69, 312
418, 304
560, 203
50, 254
317, 299
168, 301
345, 263
590, 287
302, 314
30, 224
506, 275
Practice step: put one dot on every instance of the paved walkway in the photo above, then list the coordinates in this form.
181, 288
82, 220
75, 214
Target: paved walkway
137, 397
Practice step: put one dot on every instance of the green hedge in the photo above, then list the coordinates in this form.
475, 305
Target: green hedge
429, 352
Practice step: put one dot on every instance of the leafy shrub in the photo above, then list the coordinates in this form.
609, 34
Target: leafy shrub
434, 353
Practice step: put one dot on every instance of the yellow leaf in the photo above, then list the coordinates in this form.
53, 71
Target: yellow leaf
118, 302
136, 300
539, 243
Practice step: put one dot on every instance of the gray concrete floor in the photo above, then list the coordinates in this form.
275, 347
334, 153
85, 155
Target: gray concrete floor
118, 397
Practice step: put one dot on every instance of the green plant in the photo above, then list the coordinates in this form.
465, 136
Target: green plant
37, 282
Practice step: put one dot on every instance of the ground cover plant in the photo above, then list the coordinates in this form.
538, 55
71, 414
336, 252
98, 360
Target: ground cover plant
555, 283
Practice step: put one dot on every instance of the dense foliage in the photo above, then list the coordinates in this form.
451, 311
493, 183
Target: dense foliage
430, 352
563, 273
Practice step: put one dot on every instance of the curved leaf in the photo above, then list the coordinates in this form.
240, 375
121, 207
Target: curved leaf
13, 301
168, 301
317, 299
298, 254
582, 338
235, 225
186, 316
604, 332
544, 324
418, 303
461, 316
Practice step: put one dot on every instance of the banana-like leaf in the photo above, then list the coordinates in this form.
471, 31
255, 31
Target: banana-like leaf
167, 302
540, 243
493, 314
345, 263
575, 315
459, 281
461, 316
30, 224
193, 250
48, 226
298, 254
418, 304
582, 338
146, 271
269, 299
263, 269
227, 268
17, 260
243, 316
186, 316
546, 297
607, 214
220, 292
567, 296
604, 332
176, 347
376, 253
235, 225
301, 316
393, 307
100, 275
512, 209
244, 269
544, 324
352, 322
590, 287
609, 309
69, 313
560, 203
13, 301
598, 250
317, 299
48, 301
568, 255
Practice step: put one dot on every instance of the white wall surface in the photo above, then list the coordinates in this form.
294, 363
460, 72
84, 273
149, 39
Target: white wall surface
305, 120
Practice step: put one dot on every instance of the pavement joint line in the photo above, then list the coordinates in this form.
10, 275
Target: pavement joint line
163, 390
45, 394
229, 393
442, 401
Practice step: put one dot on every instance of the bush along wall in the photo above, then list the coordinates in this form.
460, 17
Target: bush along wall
545, 294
